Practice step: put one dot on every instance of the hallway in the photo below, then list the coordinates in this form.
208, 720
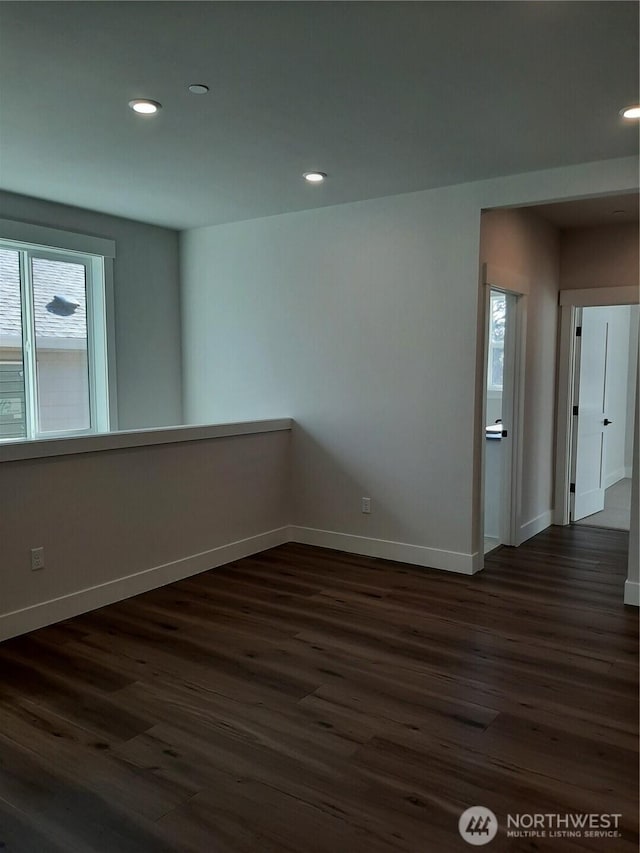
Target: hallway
616, 514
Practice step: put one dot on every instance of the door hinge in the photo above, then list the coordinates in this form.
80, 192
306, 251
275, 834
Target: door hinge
575, 411
578, 331
572, 488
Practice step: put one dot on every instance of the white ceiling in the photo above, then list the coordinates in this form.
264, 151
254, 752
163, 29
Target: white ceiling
588, 212
386, 97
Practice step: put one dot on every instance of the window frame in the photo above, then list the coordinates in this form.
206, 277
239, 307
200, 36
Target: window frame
96, 255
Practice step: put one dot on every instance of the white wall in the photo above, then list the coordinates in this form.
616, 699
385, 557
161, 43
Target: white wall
599, 256
360, 321
493, 490
606, 256
348, 319
117, 522
147, 306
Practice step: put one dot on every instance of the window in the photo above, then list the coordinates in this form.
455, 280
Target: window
497, 322
53, 342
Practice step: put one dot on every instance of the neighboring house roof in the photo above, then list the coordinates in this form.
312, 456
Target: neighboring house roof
50, 279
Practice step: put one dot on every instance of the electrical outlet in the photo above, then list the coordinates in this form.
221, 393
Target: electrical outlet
37, 559
366, 505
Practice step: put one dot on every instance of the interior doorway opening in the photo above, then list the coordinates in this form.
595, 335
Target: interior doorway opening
603, 413
560, 256
503, 391
589, 359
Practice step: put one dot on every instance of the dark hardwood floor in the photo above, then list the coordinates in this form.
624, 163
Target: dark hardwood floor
309, 701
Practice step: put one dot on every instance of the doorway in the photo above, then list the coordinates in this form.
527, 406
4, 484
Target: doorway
605, 364
502, 397
590, 479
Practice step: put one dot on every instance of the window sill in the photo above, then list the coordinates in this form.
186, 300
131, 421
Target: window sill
14, 451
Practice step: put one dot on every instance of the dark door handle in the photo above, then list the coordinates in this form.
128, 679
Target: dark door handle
607, 422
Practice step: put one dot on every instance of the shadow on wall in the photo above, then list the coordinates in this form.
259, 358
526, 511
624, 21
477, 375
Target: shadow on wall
327, 490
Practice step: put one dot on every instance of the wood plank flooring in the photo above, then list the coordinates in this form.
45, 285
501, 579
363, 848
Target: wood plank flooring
309, 701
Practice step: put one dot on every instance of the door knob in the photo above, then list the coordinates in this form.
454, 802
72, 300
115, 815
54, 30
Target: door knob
607, 422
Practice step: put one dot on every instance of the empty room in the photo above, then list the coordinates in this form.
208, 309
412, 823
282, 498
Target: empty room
319, 494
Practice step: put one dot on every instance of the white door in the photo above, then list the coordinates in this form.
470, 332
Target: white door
503, 332
591, 384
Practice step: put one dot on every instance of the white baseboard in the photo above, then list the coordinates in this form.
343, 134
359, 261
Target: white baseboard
614, 477
559, 517
477, 562
632, 593
536, 525
84, 600
417, 555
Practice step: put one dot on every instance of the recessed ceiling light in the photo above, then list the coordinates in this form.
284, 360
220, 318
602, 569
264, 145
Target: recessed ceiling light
630, 112
314, 177
145, 107
198, 88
